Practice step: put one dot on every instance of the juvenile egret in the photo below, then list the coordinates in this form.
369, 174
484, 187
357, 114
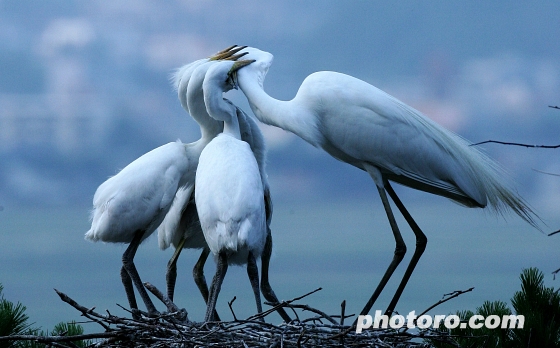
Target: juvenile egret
229, 191
182, 76
181, 227
128, 207
363, 126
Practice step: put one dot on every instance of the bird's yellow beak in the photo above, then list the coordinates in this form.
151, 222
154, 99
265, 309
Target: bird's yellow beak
232, 74
240, 64
229, 53
227, 49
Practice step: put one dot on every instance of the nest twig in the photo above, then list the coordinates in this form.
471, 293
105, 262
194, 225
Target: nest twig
173, 329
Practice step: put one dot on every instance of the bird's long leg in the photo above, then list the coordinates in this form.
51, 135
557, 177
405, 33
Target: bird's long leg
129, 289
198, 274
200, 280
171, 275
253, 273
400, 248
128, 265
266, 289
421, 242
216, 285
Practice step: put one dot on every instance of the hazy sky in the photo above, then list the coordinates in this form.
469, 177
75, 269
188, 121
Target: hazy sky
84, 90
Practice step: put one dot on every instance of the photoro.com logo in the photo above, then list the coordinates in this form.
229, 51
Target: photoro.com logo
425, 321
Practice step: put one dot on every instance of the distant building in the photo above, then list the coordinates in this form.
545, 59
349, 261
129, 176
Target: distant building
65, 123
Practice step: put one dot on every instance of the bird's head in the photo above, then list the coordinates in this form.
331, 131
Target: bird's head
263, 61
181, 77
221, 77
231, 79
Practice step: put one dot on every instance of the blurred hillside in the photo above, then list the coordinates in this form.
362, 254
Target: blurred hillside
84, 86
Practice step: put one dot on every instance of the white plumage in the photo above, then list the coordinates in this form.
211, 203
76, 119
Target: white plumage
359, 124
181, 78
181, 227
229, 191
139, 196
229, 196
128, 207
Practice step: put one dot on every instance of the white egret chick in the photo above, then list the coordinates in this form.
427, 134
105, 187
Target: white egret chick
229, 191
128, 207
181, 227
367, 128
181, 78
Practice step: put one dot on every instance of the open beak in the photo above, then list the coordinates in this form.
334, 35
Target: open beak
232, 74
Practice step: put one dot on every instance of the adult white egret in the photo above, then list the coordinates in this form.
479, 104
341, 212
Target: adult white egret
128, 207
181, 227
363, 126
229, 191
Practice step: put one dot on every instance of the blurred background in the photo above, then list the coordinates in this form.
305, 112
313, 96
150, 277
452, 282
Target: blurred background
84, 90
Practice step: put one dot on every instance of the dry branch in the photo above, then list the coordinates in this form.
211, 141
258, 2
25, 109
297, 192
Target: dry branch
516, 144
167, 331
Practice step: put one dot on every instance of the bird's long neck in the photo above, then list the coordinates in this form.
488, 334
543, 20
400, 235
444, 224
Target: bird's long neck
231, 127
220, 109
251, 133
209, 127
182, 94
181, 80
288, 115
194, 99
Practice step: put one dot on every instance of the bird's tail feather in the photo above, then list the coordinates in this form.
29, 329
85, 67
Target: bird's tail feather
488, 176
498, 186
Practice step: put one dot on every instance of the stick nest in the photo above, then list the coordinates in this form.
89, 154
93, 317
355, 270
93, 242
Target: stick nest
174, 329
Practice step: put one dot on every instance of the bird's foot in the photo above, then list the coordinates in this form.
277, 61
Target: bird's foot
137, 314
180, 316
153, 314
